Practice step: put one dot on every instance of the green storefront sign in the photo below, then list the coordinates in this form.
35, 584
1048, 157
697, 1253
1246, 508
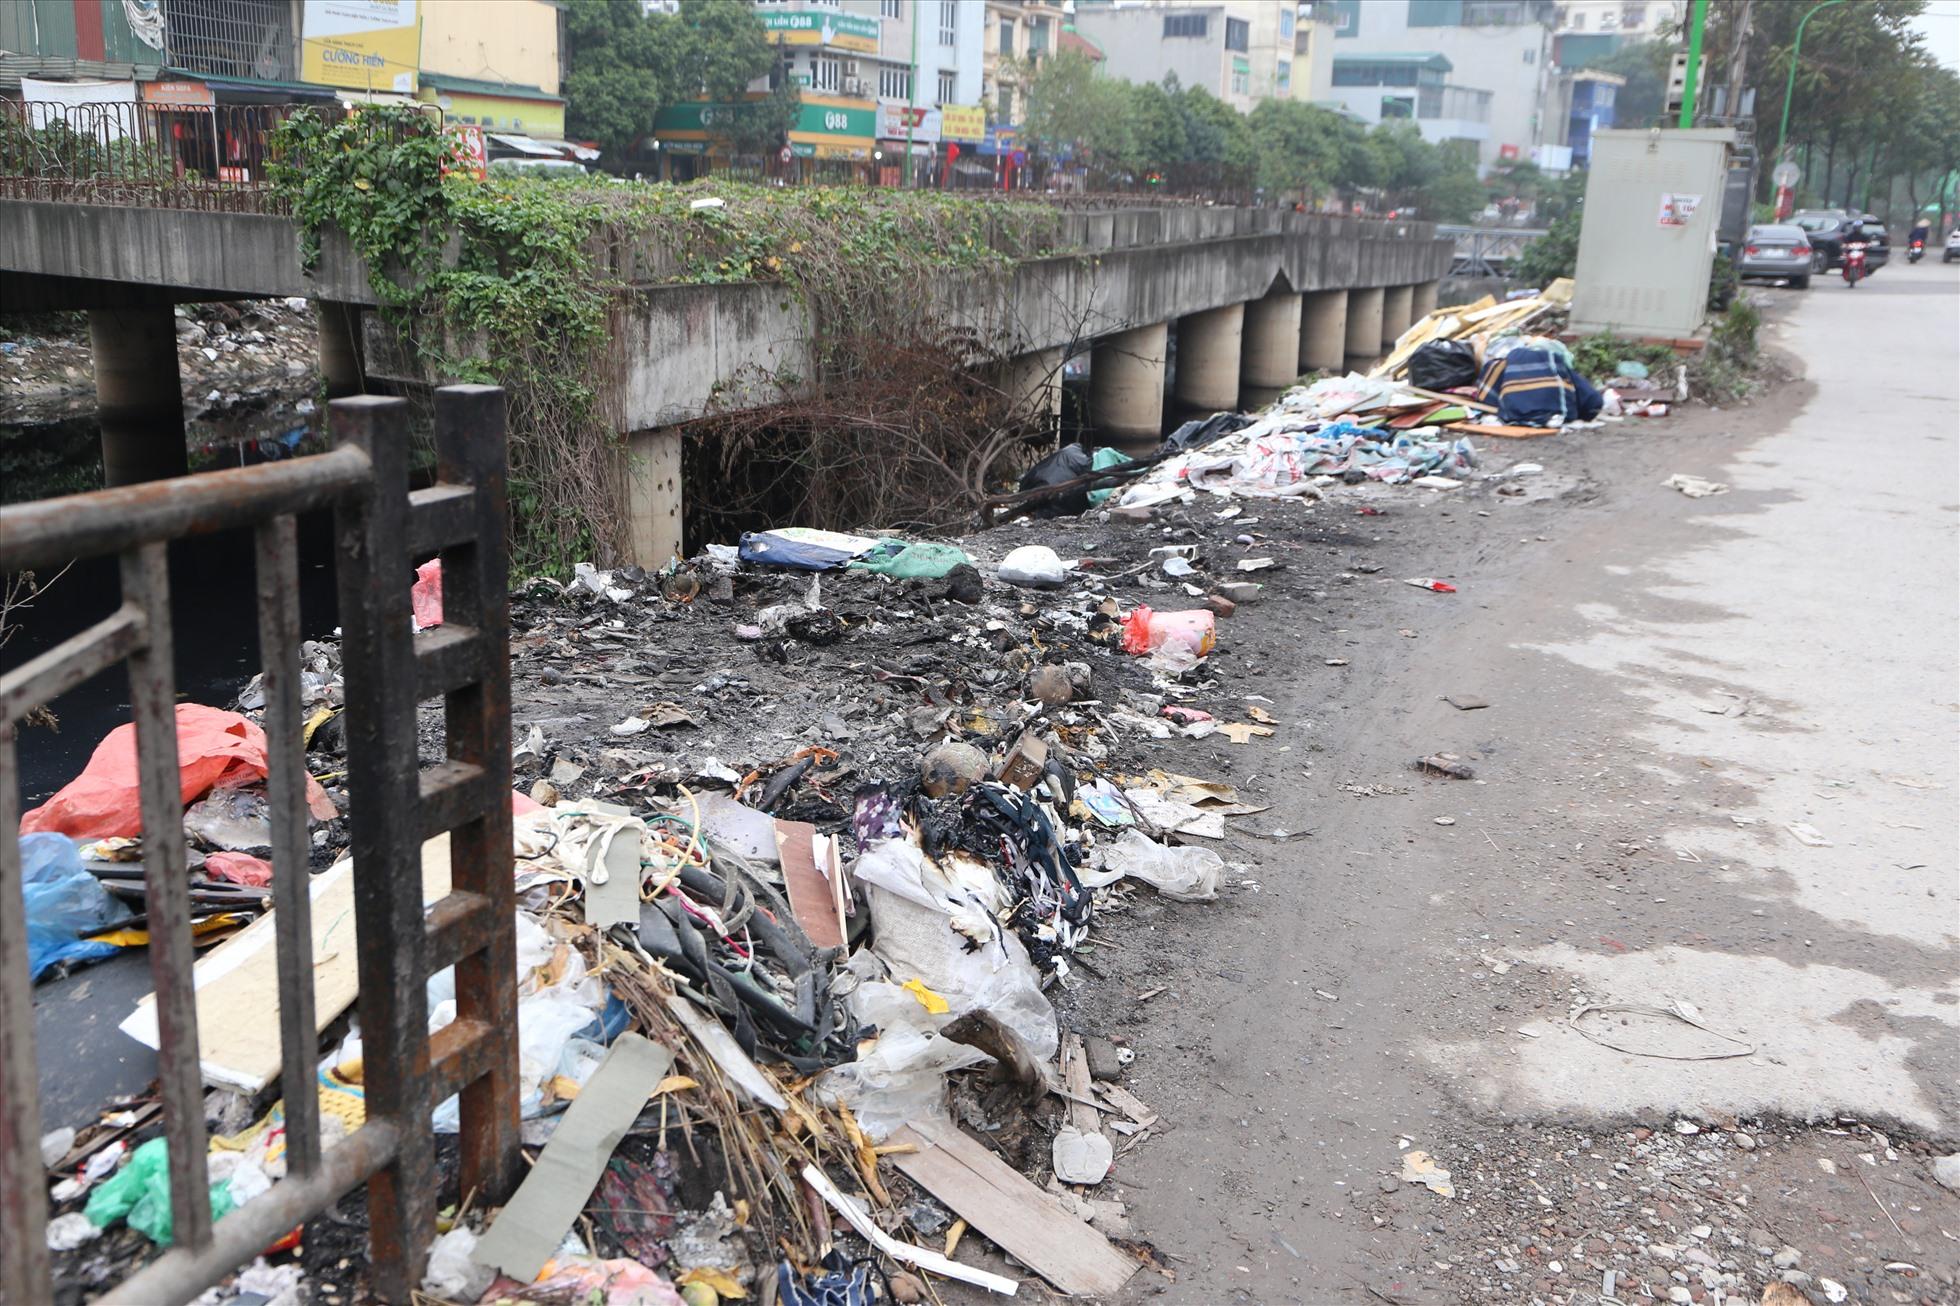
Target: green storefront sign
813, 119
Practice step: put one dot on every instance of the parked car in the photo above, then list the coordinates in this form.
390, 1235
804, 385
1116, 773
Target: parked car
1825, 229
1776, 250
1952, 246
529, 167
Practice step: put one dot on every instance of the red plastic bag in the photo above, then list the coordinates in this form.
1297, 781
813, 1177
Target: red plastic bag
238, 868
1145, 631
426, 596
215, 749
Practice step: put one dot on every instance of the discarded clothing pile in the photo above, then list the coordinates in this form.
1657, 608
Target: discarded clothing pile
1532, 382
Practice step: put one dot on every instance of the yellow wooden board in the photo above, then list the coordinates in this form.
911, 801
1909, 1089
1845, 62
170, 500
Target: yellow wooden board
237, 982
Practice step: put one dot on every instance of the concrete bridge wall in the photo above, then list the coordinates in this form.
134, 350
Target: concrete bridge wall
1255, 297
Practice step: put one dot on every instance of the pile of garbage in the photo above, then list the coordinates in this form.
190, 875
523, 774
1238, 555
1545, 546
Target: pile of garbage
810, 831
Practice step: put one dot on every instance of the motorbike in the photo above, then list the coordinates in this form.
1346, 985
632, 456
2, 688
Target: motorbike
1915, 249
1854, 263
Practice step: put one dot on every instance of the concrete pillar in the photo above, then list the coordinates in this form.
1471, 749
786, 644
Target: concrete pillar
1269, 358
1033, 384
1364, 328
138, 395
1424, 302
1208, 358
342, 365
1397, 302
653, 497
1126, 387
1323, 330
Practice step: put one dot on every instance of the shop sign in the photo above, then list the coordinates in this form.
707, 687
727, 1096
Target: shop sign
360, 44
472, 150
897, 122
963, 122
835, 30
837, 119
179, 94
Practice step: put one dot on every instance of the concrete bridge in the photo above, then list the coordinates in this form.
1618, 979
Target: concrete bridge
1252, 297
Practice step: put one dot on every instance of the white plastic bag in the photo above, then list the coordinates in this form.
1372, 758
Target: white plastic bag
1185, 873
452, 1275
1035, 566
902, 1077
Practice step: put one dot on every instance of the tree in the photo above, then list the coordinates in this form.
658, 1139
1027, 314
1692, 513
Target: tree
1297, 146
620, 71
624, 64
724, 48
1645, 65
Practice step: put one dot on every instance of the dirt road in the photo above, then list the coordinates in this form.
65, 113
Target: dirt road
1673, 685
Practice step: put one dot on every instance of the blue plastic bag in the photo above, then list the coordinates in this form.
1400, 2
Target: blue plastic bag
64, 903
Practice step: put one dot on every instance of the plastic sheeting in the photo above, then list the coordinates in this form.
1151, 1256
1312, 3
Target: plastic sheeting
215, 749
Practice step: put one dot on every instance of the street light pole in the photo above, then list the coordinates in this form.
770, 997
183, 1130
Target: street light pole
1790, 82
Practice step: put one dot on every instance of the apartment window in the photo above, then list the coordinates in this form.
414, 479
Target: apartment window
1241, 77
891, 8
1531, 56
826, 74
1578, 21
826, 4
1633, 17
949, 22
1398, 106
1186, 25
895, 84
1004, 110
945, 88
1238, 35
1286, 17
1285, 79
1037, 37
1007, 37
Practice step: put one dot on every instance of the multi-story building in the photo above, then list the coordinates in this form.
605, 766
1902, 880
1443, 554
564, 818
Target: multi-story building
503, 74
1415, 86
878, 81
1590, 30
1242, 51
1019, 35
1495, 54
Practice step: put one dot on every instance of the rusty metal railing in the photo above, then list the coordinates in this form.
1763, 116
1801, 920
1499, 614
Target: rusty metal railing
179, 156
395, 807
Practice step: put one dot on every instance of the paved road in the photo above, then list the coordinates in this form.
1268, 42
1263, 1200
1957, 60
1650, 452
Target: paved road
1674, 683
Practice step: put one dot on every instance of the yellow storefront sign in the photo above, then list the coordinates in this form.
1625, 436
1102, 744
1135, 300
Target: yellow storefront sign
962, 122
360, 44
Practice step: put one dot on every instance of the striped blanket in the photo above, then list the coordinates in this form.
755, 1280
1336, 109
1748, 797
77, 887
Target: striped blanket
1532, 384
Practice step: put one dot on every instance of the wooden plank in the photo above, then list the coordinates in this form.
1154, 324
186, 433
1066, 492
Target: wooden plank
1030, 1225
811, 896
1075, 1078
1475, 405
1129, 1104
1502, 432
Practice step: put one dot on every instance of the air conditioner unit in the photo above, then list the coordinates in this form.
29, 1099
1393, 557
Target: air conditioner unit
855, 86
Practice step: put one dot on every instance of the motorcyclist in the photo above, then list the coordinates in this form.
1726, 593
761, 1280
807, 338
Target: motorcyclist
1922, 232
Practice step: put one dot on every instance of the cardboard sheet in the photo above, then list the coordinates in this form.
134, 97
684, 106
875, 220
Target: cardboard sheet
534, 1222
237, 982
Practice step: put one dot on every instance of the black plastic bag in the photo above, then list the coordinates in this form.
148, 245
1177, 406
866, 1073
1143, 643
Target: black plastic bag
1066, 464
1443, 365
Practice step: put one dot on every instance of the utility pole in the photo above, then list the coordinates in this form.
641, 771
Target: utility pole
1742, 13
1695, 26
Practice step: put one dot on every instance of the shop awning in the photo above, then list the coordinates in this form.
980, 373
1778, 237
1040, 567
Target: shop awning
570, 149
526, 145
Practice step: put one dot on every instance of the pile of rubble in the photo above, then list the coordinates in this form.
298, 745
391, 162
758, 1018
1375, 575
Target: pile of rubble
254, 363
